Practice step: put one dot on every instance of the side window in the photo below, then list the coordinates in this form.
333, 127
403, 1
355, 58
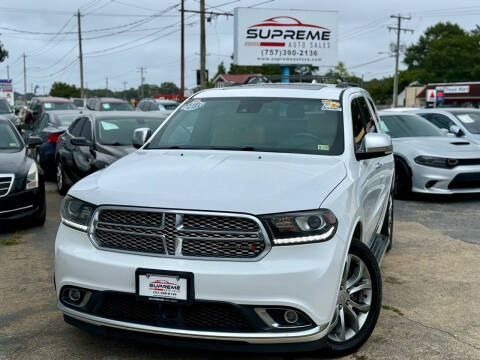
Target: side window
357, 124
87, 129
38, 123
76, 127
374, 109
441, 121
367, 115
44, 122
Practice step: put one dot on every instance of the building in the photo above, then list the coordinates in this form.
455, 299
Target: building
461, 94
223, 80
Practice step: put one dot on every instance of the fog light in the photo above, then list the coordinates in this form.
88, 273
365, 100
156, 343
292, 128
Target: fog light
290, 316
74, 295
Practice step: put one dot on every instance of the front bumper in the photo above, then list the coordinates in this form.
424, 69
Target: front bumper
304, 277
432, 180
23, 204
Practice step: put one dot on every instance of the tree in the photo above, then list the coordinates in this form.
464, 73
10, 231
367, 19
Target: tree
3, 53
64, 90
168, 88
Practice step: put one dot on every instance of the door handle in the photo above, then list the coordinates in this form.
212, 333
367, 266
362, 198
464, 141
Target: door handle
377, 165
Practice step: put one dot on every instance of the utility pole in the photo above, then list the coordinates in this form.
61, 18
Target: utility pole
24, 76
398, 29
124, 85
182, 51
141, 70
106, 83
80, 53
203, 80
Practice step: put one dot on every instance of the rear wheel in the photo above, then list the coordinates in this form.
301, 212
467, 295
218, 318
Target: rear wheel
61, 186
358, 303
403, 180
387, 228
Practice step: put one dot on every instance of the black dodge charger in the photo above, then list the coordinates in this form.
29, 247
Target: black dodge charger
22, 187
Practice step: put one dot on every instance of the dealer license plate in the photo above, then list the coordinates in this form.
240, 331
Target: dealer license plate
162, 287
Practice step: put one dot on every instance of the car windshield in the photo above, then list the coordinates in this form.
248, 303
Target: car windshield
398, 126
66, 119
9, 140
78, 102
58, 106
5, 107
116, 106
119, 131
308, 126
471, 120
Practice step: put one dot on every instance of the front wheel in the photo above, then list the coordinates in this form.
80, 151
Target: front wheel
359, 301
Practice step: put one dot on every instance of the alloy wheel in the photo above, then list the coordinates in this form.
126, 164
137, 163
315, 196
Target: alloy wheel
59, 176
354, 300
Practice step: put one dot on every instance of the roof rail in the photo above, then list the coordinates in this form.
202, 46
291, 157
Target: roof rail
321, 79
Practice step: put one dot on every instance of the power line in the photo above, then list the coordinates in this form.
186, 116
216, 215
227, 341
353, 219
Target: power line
369, 62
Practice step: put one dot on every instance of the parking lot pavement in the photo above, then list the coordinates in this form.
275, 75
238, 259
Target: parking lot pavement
430, 296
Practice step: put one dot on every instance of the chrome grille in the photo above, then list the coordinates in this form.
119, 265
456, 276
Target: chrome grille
179, 234
6, 182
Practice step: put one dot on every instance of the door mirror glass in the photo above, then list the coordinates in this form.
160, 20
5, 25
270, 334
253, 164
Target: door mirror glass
80, 141
375, 145
140, 137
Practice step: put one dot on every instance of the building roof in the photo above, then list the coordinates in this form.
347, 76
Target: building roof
234, 78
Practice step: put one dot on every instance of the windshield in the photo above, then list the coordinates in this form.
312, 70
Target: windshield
398, 126
471, 120
78, 102
257, 124
9, 140
58, 106
116, 106
5, 107
119, 131
66, 119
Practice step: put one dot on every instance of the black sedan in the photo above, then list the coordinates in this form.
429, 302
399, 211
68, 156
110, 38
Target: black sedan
22, 187
49, 126
96, 140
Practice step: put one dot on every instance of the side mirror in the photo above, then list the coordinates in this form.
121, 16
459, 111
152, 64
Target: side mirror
454, 129
140, 137
33, 141
376, 145
80, 141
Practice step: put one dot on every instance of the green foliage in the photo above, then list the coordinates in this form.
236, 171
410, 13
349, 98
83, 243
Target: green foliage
64, 90
3, 53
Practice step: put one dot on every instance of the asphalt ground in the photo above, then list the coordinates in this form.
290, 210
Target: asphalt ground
430, 296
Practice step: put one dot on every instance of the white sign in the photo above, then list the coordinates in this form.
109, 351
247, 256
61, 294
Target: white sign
431, 95
162, 286
285, 37
456, 89
6, 90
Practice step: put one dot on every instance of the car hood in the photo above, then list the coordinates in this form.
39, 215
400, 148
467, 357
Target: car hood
232, 181
444, 146
12, 162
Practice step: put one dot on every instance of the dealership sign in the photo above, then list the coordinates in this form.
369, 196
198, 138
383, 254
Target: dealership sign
461, 89
285, 37
6, 90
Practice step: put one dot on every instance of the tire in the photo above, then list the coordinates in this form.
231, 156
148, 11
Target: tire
60, 177
39, 218
387, 227
366, 297
403, 180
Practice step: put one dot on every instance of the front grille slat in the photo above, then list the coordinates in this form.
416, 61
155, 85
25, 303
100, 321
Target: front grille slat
5, 184
178, 234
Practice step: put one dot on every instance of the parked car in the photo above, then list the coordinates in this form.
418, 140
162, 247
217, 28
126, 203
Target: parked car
108, 104
80, 103
157, 105
7, 112
95, 141
255, 215
38, 105
22, 189
49, 126
427, 161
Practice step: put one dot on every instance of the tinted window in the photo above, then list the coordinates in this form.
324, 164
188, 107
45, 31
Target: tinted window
367, 116
119, 131
439, 120
116, 107
76, 128
170, 106
42, 122
398, 126
5, 107
87, 130
471, 120
9, 140
357, 124
78, 102
65, 119
263, 124
58, 106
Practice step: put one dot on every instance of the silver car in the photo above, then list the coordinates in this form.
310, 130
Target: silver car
428, 161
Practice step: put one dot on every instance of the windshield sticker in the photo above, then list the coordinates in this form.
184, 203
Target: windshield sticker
13, 145
323, 147
194, 105
109, 126
106, 106
47, 106
384, 126
330, 105
466, 119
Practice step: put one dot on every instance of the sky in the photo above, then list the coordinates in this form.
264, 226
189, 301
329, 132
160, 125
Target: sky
46, 32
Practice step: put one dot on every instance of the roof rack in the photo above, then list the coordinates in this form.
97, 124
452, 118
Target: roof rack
315, 79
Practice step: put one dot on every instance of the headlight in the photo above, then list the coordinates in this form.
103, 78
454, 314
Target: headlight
301, 227
436, 161
32, 177
76, 213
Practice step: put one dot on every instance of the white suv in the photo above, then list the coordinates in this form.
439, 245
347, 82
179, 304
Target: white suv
255, 216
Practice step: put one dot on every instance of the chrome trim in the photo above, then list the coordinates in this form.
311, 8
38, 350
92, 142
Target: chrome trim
263, 235
313, 334
17, 209
12, 180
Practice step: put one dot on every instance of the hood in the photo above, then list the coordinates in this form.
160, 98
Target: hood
444, 146
232, 181
12, 162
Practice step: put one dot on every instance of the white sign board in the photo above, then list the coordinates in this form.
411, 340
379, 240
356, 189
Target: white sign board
431, 95
285, 37
463, 89
6, 90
